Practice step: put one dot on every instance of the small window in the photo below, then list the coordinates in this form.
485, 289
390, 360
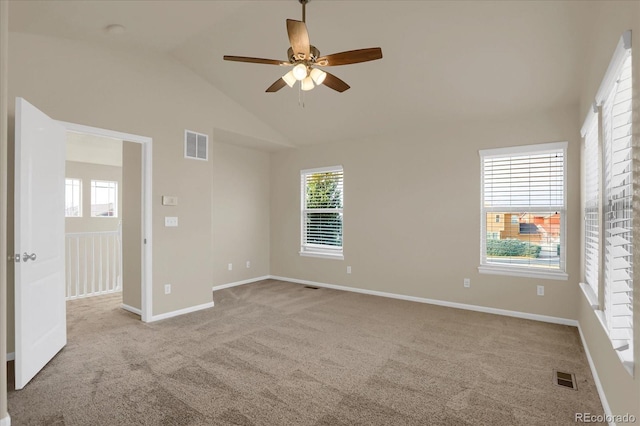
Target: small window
73, 198
104, 198
497, 218
526, 186
322, 201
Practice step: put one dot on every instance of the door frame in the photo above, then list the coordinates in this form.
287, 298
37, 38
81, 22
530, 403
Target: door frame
147, 201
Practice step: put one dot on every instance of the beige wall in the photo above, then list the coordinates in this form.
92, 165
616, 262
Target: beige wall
240, 207
621, 389
404, 193
88, 172
150, 95
132, 224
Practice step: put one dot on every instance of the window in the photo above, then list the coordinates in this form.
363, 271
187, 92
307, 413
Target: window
525, 185
607, 203
104, 198
72, 198
497, 218
322, 202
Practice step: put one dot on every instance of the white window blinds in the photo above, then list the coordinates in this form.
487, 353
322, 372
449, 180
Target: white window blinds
618, 210
591, 206
524, 189
322, 211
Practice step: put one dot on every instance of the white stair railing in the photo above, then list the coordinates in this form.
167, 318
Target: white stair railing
93, 263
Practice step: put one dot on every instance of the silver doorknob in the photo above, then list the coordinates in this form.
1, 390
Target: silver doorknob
26, 256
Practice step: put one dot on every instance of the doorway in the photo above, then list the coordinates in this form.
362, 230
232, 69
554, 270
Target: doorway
135, 151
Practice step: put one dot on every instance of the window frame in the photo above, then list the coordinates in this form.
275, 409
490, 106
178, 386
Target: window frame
599, 302
523, 271
319, 250
66, 183
115, 202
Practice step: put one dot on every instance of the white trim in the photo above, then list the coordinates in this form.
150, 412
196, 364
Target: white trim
181, 312
131, 309
613, 70
6, 421
238, 283
323, 254
538, 148
596, 378
589, 294
327, 169
477, 308
523, 272
590, 120
147, 203
11, 356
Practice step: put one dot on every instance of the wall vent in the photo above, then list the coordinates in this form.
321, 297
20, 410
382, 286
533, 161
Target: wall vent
565, 380
196, 145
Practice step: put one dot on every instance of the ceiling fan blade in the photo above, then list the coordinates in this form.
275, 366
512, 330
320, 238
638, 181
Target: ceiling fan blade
350, 57
255, 60
298, 37
335, 83
277, 85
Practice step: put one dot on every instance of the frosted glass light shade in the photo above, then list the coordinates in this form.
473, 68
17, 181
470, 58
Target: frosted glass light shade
318, 76
300, 72
307, 84
289, 78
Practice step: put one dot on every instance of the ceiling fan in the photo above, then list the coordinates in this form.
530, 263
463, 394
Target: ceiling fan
305, 60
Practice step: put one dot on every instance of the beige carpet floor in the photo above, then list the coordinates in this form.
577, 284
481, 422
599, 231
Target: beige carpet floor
276, 353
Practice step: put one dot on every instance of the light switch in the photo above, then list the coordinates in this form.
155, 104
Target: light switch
170, 221
168, 200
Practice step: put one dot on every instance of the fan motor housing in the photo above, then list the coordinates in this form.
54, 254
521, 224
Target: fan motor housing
314, 54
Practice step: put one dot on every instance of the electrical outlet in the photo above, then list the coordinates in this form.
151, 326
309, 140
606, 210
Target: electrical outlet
348, 269
467, 282
540, 290
167, 289
230, 266
170, 221
248, 264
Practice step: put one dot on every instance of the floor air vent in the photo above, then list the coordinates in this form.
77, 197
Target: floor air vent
566, 380
312, 288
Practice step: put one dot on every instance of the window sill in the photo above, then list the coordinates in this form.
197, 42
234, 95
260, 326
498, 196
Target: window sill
522, 272
323, 255
626, 356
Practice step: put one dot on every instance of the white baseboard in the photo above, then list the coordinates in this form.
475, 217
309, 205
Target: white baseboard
131, 309
594, 373
6, 421
11, 356
237, 283
496, 311
181, 312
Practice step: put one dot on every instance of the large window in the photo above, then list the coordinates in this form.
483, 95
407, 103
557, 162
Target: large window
73, 198
523, 210
607, 203
104, 198
322, 203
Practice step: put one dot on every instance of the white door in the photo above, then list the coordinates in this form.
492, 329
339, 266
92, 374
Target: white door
40, 311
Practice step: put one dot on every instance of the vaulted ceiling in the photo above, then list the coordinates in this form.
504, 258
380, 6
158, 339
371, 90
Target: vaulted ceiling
443, 60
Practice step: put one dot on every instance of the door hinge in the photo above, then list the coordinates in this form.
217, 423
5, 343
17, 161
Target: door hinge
145, 241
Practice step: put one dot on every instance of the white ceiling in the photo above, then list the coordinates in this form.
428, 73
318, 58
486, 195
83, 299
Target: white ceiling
443, 60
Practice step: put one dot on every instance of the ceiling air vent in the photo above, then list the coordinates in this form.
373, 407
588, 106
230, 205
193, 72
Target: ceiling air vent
195, 145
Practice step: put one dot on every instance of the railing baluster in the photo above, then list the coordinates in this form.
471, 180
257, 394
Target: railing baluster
77, 266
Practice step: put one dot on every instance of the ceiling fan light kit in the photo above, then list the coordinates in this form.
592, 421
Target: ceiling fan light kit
305, 60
